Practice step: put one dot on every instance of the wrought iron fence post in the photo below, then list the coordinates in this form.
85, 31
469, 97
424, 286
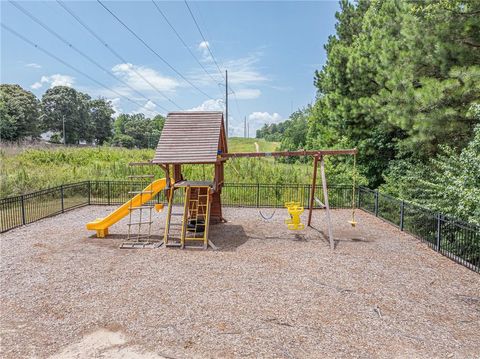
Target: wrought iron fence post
89, 192
61, 195
108, 192
375, 194
24, 219
402, 210
258, 195
305, 198
357, 190
438, 232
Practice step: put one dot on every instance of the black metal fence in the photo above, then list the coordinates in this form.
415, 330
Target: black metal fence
20, 210
455, 239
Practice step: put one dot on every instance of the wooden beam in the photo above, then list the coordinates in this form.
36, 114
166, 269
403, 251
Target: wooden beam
352, 151
312, 192
327, 206
187, 162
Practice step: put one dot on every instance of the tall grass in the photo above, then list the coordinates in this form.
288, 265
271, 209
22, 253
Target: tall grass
30, 169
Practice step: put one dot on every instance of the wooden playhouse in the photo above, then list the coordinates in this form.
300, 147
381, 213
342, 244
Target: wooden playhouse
192, 138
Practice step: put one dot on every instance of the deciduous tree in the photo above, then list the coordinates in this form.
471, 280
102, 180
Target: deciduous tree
19, 113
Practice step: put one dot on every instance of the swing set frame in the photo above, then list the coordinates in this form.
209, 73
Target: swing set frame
318, 156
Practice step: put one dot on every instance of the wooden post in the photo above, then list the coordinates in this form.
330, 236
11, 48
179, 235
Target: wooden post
177, 173
327, 206
312, 192
185, 217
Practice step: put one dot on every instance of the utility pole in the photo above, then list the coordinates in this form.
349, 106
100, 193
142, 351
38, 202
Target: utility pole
226, 101
245, 127
248, 130
63, 125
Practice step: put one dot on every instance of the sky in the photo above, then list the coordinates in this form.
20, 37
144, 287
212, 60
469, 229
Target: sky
270, 49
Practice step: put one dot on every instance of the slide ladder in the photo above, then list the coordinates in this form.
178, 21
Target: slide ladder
173, 224
192, 230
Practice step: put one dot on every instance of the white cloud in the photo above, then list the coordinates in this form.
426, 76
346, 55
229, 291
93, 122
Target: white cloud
54, 80
242, 72
235, 125
247, 94
235, 130
130, 74
34, 65
265, 117
36, 85
58, 80
116, 106
203, 47
149, 109
258, 119
210, 105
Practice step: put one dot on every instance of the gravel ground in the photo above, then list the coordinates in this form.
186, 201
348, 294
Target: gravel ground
265, 293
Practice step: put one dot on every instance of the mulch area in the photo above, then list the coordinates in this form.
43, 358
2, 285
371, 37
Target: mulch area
267, 292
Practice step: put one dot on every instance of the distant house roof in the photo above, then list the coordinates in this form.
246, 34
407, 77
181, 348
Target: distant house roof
191, 137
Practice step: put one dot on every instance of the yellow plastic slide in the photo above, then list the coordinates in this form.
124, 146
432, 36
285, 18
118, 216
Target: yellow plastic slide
101, 224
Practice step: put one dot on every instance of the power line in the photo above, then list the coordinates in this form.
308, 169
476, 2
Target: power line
182, 41
46, 52
62, 39
204, 40
210, 52
153, 51
115, 53
236, 100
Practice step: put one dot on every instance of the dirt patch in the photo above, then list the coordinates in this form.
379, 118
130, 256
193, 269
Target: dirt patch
103, 344
266, 292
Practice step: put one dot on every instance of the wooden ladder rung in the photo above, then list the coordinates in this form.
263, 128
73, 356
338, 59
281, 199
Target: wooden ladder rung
196, 247
173, 244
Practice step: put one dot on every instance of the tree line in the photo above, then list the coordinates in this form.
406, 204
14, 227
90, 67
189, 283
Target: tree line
86, 120
402, 84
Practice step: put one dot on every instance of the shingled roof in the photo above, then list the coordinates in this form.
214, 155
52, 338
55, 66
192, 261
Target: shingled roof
191, 137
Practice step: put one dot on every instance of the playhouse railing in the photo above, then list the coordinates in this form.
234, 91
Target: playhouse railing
453, 238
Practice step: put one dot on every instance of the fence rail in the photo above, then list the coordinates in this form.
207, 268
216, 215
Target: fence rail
455, 239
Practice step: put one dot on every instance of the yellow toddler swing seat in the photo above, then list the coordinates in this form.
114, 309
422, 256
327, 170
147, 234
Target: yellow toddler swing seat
294, 210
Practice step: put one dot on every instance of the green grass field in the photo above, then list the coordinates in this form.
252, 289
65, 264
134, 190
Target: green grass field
239, 144
26, 169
